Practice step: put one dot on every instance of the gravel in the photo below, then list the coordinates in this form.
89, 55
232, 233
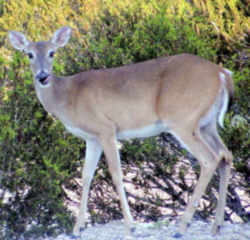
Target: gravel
198, 230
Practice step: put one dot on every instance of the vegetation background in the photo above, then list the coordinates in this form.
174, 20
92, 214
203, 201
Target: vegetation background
40, 163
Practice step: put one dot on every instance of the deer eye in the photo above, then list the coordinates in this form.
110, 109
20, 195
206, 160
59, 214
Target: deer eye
30, 55
51, 54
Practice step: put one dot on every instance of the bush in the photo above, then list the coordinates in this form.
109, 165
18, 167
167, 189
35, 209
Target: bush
34, 159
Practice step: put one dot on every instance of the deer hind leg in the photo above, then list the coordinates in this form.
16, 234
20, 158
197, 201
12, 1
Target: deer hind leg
224, 156
224, 170
93, 154
209, 132
194, 143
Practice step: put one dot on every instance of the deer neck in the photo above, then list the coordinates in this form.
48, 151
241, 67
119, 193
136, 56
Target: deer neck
54, 95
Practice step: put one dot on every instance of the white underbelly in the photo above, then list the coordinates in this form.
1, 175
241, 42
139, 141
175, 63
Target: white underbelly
144, 132
79, 132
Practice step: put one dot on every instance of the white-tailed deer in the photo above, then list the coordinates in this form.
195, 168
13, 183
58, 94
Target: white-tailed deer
182, 94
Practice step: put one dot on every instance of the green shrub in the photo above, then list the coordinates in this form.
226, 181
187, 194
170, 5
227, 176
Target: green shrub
37, 157
111, 42
237, 131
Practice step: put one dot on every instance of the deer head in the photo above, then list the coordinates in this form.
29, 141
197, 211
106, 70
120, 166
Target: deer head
41, 54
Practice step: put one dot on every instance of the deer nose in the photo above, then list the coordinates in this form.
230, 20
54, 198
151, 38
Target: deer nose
42, 77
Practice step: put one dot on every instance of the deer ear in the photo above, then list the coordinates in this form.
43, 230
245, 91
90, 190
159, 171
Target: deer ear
61, 36
18, 40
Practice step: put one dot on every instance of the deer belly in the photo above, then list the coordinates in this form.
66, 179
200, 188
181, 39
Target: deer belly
147, 131
79, 132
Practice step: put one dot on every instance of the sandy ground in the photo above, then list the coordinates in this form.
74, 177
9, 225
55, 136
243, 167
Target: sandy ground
198, 230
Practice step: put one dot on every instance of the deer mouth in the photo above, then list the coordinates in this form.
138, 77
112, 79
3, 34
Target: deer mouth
44, 81
43, 78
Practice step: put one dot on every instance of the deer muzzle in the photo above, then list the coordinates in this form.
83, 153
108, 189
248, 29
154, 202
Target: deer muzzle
42, 77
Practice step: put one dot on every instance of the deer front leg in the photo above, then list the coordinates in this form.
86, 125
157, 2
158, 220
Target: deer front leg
93, 153
114, 164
